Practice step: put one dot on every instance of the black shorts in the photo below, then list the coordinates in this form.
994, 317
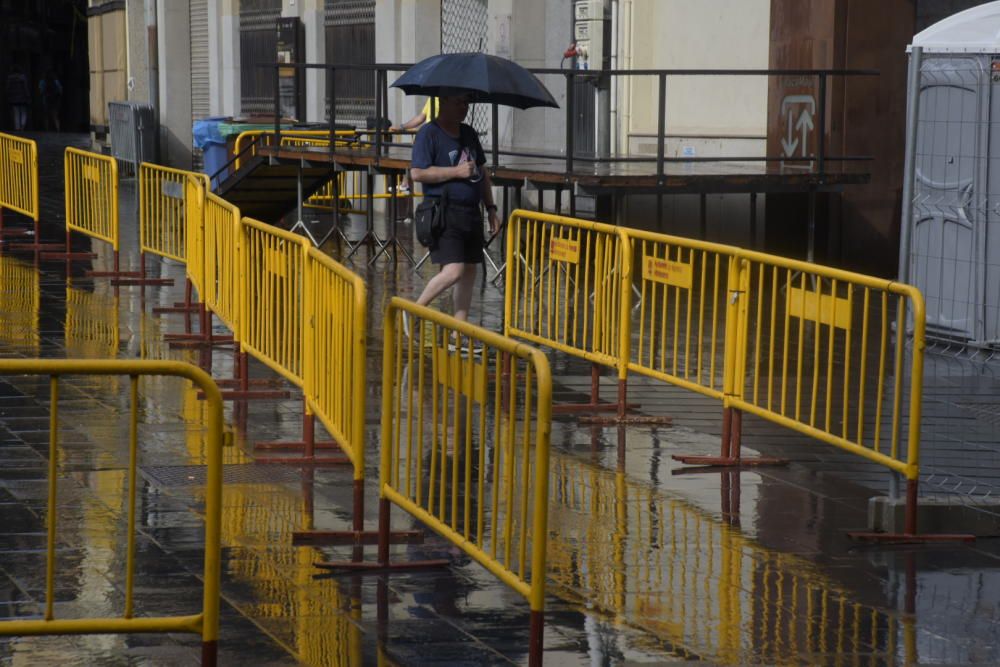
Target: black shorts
462, 239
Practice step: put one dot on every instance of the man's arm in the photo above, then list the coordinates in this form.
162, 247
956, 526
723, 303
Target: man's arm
416, 121
442, 174
486, 186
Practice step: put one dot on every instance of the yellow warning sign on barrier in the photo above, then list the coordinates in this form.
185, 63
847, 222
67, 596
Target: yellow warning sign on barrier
91, 172
677, 274
820, 308
460, 374
564, 250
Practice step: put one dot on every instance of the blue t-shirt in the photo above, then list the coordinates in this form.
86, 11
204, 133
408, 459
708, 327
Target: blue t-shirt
433, 147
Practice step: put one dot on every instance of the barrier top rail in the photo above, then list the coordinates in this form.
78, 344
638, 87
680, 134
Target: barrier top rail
19, 175
205, 623
571, 75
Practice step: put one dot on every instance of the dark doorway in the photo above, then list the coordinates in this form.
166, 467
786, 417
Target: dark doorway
40, 37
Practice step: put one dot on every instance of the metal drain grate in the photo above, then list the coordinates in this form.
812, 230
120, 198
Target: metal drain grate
987, 412
237, 473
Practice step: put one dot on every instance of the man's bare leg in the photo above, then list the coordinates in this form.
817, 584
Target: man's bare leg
463, 291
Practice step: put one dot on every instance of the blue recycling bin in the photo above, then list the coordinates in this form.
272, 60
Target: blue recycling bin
206, 136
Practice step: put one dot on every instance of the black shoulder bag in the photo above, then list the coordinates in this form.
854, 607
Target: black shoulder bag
428, 218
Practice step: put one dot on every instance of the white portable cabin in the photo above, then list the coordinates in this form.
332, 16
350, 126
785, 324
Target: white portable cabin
950, 237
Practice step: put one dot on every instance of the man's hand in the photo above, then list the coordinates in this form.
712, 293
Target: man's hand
464, 170
494, 221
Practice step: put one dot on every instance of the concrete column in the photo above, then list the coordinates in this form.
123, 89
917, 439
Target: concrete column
226, 50
406, 31
313, 17
137, 82
223, 56
500, 42
174, 46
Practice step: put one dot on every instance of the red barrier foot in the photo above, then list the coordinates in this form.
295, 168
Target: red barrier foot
353, 537
729, 462
369, 567
634, 420
909, 538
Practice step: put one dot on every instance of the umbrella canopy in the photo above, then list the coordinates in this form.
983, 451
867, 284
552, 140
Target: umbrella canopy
486, 78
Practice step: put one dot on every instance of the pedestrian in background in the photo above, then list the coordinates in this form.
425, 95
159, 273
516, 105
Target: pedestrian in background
50, 89
18, 95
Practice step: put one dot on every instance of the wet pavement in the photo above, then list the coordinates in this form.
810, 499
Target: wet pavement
647, 564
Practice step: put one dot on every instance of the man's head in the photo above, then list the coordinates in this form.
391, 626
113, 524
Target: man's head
455, 107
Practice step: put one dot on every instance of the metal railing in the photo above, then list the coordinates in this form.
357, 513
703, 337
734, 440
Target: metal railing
815, 83
92, 196
19, 176
162, 210
222, 262
466, 417
650, 560
824, 352
204, 623
831, 354
273, 293
133, 134
564, 287
680, 335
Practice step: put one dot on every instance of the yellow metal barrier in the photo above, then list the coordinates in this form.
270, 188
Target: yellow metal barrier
273, 290
19, 176
564, 284
335, 356
162, 210
682, 310
654, 562
824, 352
92, 324
92, 196
464, 452
222, 274
204, 623
20, 303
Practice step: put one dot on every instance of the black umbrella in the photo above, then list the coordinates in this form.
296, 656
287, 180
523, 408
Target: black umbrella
485, 78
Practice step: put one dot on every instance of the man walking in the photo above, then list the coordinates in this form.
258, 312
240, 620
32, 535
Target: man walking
448, 160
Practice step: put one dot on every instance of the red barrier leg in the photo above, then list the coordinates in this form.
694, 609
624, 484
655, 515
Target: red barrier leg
64, 252
535, 636
186, 306
141, 278
307, 445
116, 272
383, 538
